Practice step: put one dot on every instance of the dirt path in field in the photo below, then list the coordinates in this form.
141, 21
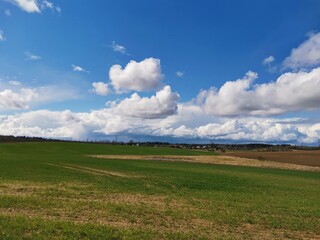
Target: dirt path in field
93, 171
223, 160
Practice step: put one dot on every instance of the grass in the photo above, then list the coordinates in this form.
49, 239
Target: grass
53, 191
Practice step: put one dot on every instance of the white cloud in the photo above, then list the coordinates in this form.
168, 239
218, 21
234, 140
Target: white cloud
16, 97
118, 48
305, 55
47, 4
268, 60
2, 38
232, 99
30, 6
32, 57
44, 123
179, 74
7, 12
101, 88
262, 130
191, 122
291, 92
163, 104
10, 100
15, 83
35, 6
205, 117
78, 69
139, 76
158, 115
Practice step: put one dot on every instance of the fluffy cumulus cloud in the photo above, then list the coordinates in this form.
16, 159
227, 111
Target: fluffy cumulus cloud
10, 100
134, 115
35, 6
290, 92
100, 88
161, 105
139, 76
232, 99
306, 55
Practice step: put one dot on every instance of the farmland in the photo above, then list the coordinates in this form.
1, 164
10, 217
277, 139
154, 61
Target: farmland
306, 158
60, 191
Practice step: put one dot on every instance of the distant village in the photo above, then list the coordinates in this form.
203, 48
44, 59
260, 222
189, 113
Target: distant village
214, 147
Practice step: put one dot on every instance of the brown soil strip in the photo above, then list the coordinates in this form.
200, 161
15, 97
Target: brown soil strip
306, 158
223, 160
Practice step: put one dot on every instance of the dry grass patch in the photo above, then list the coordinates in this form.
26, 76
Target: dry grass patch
160, 214
224, 160
203, 229
31, 189
254, 231
121, 210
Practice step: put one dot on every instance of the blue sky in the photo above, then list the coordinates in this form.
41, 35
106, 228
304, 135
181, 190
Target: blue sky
238, 71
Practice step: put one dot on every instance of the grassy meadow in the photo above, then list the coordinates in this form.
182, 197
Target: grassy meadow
56, 191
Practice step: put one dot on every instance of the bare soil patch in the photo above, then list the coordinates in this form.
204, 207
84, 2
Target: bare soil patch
305, 158
224, 160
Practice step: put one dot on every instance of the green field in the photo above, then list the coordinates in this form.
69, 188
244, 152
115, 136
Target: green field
55, 191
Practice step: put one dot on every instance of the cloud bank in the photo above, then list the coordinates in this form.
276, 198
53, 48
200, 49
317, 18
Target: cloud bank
62, 124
